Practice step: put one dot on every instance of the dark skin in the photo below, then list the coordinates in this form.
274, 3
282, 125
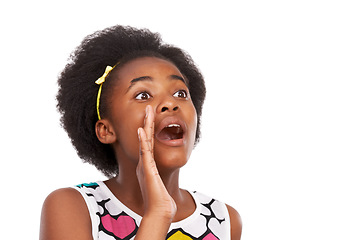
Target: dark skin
152, 93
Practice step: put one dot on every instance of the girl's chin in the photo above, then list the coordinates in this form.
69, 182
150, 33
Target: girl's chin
170, 160
172, 154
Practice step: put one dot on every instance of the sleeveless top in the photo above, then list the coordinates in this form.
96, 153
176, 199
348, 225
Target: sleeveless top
112, 220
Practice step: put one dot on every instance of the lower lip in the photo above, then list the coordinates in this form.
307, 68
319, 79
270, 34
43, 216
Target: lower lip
172, 143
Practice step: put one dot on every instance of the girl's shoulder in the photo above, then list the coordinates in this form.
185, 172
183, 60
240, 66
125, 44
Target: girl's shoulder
235, 223
65, 214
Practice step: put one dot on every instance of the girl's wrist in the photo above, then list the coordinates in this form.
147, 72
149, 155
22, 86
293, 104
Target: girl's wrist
159, 217
154, 226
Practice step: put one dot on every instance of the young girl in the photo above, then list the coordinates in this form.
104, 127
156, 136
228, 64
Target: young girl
132, 106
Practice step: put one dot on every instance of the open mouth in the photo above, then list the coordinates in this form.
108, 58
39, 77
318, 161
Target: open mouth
171, 132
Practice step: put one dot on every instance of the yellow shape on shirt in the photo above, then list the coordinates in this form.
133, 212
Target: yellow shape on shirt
179, 236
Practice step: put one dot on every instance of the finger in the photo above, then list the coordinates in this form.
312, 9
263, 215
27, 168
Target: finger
144, 146
149, 125
145, 153
152, 143
149, 120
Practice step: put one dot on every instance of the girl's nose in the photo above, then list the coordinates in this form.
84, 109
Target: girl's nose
168, 105
168, 109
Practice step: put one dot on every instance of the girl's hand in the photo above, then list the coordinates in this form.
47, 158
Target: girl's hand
158, 204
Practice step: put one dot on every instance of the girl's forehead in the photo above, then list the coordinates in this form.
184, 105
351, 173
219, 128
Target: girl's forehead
147, 66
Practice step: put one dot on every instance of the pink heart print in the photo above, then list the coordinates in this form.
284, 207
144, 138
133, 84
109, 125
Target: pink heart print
122, 227
210, 236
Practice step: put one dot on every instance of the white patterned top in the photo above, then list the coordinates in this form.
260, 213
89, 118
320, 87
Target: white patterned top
112, 220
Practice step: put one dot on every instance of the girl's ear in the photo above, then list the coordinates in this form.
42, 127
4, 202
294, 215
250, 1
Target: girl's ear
105, 132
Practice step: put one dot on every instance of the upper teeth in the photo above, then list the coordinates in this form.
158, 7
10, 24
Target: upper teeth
173, 125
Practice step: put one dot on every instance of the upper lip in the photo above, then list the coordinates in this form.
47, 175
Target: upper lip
168, 121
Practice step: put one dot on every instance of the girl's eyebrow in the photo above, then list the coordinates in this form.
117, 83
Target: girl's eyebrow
144, 78
176, 77
135, 80
149, 78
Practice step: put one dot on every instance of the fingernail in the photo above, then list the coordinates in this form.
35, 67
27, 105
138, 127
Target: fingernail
138, 133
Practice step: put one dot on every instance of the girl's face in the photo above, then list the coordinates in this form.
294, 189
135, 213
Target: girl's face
159, 83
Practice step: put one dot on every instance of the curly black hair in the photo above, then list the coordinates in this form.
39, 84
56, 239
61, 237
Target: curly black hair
77, 89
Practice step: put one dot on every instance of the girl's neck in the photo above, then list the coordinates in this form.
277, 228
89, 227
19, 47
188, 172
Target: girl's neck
126, 188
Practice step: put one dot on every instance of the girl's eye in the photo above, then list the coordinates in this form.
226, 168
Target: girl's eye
143, 96
181, 94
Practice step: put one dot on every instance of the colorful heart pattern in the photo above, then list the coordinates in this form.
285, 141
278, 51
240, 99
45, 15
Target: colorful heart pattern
120, 227
123, 227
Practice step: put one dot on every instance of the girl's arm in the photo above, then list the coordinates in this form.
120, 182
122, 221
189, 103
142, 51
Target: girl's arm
236, 223
160, 207
65, 216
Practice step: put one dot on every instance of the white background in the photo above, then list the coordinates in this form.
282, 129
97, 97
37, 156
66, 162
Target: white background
279, 133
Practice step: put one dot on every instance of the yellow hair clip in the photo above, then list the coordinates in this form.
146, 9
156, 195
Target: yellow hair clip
100, 82
103, 78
